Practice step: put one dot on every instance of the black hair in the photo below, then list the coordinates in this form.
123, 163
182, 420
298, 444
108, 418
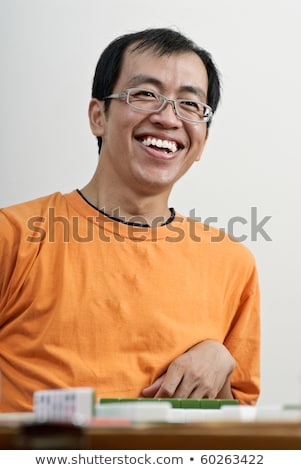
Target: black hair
162, 41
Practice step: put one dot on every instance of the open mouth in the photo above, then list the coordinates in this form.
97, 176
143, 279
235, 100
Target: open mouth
169, 146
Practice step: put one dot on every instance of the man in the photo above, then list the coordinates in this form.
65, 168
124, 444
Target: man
110, 288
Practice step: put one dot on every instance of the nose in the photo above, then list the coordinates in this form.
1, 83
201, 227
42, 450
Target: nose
167, 116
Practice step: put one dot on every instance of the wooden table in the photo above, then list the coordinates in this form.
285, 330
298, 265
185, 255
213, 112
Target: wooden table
188, 436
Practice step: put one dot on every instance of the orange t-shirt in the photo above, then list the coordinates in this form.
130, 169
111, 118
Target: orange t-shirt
88, 301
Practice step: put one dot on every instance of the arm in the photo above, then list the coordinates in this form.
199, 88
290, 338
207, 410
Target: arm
216, 370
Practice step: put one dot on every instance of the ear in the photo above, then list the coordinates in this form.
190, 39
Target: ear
96, 117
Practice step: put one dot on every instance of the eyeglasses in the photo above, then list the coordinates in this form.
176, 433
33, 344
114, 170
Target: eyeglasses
152, 102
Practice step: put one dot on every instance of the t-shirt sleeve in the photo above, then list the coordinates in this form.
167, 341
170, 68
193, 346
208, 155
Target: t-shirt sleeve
243, 341
9, 247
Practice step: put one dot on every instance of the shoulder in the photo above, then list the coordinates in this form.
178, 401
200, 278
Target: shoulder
18, 222
217, 244
38, 206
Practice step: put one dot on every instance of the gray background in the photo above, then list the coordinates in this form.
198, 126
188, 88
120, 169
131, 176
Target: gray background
49, 50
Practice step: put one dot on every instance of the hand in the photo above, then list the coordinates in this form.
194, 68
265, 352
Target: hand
201, 372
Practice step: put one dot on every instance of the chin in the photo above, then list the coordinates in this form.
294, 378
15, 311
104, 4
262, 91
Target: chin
157, 183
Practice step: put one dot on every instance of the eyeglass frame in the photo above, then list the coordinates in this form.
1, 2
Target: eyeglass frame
124, 95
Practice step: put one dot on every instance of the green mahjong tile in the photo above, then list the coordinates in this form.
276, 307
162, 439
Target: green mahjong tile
208, 403
175, 402
190, 403
292, 407
108, 400
186, 403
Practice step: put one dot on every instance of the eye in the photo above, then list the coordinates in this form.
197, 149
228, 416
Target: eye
143, 94
190, 104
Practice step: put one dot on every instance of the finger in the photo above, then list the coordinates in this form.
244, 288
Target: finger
204, 387
152, 389
171, 381
190, 389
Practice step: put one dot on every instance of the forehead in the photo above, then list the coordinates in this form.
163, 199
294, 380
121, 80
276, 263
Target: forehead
172, 72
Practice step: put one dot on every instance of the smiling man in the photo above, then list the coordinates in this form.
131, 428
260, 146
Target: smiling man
104, 286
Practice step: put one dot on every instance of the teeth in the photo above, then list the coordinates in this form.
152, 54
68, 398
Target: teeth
167, 144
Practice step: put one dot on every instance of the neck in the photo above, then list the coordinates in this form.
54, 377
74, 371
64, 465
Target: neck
129, 206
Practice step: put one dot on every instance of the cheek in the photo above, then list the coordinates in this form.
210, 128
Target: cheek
198, 138
198, 141
124, 125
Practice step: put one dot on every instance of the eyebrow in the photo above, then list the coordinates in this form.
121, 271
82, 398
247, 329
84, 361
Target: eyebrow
139, 79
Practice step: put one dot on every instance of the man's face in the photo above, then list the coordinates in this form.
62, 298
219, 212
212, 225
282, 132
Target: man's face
129, 162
